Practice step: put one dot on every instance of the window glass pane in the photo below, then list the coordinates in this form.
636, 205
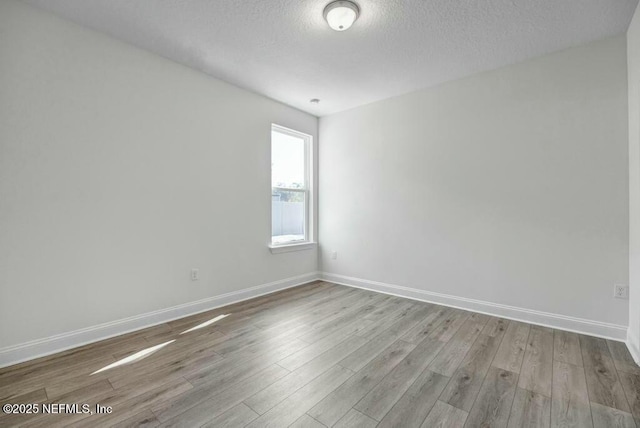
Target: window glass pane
287, 216
287, 161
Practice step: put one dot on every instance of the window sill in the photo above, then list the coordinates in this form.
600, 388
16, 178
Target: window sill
287, 248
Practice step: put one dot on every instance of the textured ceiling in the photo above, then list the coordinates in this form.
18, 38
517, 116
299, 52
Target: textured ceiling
285, 50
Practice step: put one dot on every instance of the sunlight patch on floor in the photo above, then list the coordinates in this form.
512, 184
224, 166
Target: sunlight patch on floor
206, 323
134, 357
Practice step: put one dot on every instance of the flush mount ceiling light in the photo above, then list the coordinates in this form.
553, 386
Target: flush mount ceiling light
341, 15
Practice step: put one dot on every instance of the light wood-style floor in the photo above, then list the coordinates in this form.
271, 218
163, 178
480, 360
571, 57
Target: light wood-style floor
327, 355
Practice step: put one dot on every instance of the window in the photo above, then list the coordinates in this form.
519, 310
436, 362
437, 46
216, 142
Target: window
290, 186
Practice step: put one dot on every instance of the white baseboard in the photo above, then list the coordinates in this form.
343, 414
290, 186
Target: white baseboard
634, 347
50, 345
39, 348
562, 322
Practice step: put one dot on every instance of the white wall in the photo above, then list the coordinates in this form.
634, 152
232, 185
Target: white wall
633, 49
508, 187
118, 171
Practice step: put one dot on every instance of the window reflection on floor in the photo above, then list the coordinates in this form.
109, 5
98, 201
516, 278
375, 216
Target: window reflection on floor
151, 350
206, 323
134, 357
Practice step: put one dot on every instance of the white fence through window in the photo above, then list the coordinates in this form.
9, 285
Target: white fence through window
287, 218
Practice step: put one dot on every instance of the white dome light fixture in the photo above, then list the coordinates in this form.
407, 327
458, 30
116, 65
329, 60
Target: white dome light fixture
341, 15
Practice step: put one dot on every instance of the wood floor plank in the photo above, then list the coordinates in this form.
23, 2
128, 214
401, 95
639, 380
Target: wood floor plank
301, 310
127, 405
355, 419
541, 328
378, 344
231, 370
346, 317
206, 402
237, 416
278, 309
13, 387
399, 313
297, 404
433, 318
455, 350
189, 361
479, 318
383, 396
333, 407
280, 341
569, 398
530, 410
511, 352
446, 329
496, 327
309, 304
622, 358
306, 421
566, 347
390, 306
163, 364
144, 419
466, 382
269, 397
29, 378
37, 396
443, 415
353, 323
602, 378
606, 417
493, 404
239, 344
414, 406
537, 366
308, 353
318, 317
631, 386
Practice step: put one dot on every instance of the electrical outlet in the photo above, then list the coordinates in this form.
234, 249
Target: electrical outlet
334, 255
195, 274
620, 291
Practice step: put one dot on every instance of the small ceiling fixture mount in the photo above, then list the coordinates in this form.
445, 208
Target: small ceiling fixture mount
314, 101
340, 15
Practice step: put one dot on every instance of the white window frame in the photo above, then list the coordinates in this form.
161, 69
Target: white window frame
308, 242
